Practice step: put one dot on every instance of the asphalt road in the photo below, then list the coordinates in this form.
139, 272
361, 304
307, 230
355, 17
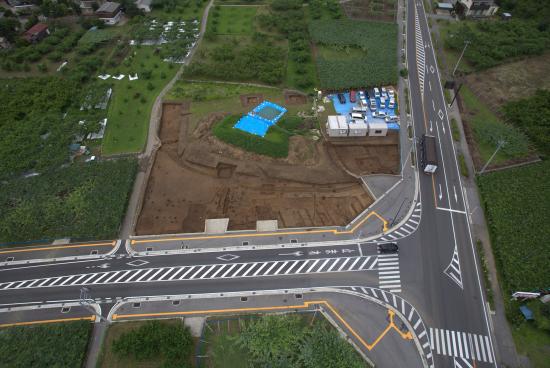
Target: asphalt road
434, 281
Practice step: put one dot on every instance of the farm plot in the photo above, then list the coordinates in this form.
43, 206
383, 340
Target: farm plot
232, 20
51, 345
363, 53
381, 10
517, 207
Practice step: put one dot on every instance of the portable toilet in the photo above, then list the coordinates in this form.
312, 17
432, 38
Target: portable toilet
378, 129
337, 126
358, 128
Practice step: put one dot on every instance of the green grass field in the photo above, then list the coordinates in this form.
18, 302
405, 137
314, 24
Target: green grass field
44, 346
486, 126
209, 97
130, 107
232, 20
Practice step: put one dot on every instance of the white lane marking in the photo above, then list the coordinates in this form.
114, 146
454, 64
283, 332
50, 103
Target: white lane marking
179, 271
343, 264
313, 265
205, 273
105, 282
417, 323
248, 270
294, 263
239, 270
322, 265
489, 353
268, 270
145, 274
163, 275
152, 277
300, 268
260, 268
197, 272
191, 268
354, 263
465, 341
454, 342
482, 346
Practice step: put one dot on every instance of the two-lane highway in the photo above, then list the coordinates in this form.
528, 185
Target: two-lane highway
448, 286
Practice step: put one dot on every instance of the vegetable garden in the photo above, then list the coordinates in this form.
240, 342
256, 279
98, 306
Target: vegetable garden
376, 64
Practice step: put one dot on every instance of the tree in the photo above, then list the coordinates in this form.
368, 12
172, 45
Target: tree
324, 348
8, 28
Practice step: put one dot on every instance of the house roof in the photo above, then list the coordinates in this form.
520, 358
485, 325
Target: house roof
37, 28
108, 7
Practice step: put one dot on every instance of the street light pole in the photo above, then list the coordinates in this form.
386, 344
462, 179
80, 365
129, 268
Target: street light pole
499, 146
466, 43
85, 302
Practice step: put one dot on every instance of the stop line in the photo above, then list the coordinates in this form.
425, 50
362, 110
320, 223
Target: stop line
202, 272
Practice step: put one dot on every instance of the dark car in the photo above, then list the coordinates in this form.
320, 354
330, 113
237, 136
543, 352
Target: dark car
341, 98
388, 248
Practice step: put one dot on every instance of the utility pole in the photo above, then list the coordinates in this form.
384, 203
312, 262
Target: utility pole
85, 301
455, 94
466, 43
499, 146
399, 210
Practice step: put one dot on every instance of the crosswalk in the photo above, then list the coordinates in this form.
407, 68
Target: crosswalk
201, 272
420, 54
461, 345
407, 228
453, 269
388, 272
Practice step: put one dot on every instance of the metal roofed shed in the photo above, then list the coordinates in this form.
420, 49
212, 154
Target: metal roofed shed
337, 126
445, 6
378, 129
358, 128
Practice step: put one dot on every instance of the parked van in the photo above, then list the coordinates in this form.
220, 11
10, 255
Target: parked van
376, 92
341, 98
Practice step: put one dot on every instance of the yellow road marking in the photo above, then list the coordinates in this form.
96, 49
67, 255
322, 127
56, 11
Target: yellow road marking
90, 318
405, 335
334, 231
21, 250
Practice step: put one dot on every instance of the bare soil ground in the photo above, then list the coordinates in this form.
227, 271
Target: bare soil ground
381, 10
508, 82
196, 177
251, 100
294, 98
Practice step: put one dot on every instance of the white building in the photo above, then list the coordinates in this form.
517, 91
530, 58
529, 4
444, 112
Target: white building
378, 129
358, 128
337, 126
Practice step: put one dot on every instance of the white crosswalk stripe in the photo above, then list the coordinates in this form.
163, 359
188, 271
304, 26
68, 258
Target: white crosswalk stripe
420, 55
407, 228
388, 272
217, 271
461, 345
453, 269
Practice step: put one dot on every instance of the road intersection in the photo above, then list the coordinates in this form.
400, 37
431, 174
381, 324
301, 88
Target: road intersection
430, 294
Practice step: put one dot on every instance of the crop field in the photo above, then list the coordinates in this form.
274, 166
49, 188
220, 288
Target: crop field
372, 61
68, 202
517, 216
232, 20
371, 9
44, 346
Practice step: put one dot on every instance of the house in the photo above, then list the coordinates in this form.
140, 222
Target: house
144, 5
4, 44
110, 13
337, 126
36, 33
476, 8
86, 6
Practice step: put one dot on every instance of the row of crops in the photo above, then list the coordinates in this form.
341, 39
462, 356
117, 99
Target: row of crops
517, 207
371, 61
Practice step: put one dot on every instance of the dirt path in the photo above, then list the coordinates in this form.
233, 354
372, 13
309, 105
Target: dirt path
153, 143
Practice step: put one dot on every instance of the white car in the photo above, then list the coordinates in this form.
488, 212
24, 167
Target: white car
376, 93
381, 115
392, 103
391, 93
